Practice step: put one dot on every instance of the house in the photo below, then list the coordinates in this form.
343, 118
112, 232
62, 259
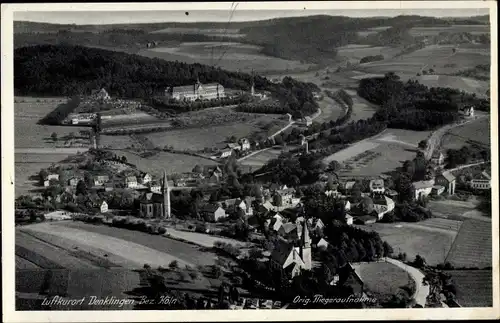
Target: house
151, 205
289, 231
197, 91
103, 207
322, 243
383, 205
347, 205
154, 187
224, 153
244, 143
481, 181
108, 187
315, 224
233, 205
46, 183
73, 181
423, 188
467, 111
275, 223
377, 186
349, 219
212, 212
306, 121
233, 146
448, 181
100, 180
349, 185
437, 190
53, 177
131, 182
437, 158
146, 178
286, 194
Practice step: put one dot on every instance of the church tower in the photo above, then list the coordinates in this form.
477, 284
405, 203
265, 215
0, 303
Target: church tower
305, 247
166, 197
252, 89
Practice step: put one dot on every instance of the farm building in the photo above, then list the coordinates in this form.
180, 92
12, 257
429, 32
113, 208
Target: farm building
447, 180
481, 181
377, 186
196, 91
131, 182
212, 212
466, 111
423, 188
437, 158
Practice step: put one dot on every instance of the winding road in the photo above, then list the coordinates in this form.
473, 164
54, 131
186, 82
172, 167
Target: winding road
421, 290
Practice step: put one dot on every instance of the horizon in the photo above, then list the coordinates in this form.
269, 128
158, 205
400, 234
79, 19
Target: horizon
220, 16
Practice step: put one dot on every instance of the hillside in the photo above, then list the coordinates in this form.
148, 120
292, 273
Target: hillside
49, 70
312, 38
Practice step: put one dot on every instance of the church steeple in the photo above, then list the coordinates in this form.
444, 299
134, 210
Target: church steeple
252, 88
166, 196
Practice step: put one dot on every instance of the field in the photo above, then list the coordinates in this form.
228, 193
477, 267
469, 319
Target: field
172, 163
27, 112
226, 32
433, 31
355, 52
383, 279
431, 239
474, 287
260, 159
473, 132
231, 56
388, 151
473, 245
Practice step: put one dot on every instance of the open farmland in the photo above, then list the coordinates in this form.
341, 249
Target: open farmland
384, 279
474, 287
226, 32
172, 163
261, 158
473, 245
355, 52
231, 56
434, 31
475, 132
430, 239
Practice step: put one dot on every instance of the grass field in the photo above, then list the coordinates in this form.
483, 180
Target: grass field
384, 279
434, 31
355, 52
232, 56
260, 159
473, 132
474, 287
428, 239
473, 245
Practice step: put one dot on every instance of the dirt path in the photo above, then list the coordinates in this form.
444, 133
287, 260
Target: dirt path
421, 290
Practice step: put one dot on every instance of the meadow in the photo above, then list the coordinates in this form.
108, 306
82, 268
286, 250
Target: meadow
433, 31
355, 52
470, 133
430, 239
473, 245
231, 56
260, 159
383, 279
474, 287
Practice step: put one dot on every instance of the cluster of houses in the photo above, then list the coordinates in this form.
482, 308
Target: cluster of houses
242, 145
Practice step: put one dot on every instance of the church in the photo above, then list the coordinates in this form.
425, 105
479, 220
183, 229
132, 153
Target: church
196, 91
154, 205
291, 259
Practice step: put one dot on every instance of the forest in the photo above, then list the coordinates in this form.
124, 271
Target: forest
75, 70
414, 106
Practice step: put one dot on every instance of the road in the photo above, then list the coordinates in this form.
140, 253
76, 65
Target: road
421, 290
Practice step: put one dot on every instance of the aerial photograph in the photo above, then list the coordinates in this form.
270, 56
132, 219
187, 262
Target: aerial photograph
252, 159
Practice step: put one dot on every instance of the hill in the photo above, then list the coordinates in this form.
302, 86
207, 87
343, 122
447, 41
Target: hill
312, 38
48, 70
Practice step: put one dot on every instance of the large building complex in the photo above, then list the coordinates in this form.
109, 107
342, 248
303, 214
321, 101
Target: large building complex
196, 91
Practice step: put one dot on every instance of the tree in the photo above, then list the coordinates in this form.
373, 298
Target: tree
42, 175
54, 136
422, 144
404, 187
81, 188
173, 264
334, 166
198, 169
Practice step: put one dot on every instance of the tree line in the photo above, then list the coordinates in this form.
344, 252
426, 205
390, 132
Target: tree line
76, 70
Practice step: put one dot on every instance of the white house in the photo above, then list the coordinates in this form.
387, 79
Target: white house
131, 182
103, 207
146, 178
322, 243
481, 182
423, 188
212, 212
467, 112
244, 143
377, 186
224, 153
349, 219
53, 176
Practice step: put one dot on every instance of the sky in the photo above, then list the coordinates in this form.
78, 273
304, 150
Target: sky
115, 17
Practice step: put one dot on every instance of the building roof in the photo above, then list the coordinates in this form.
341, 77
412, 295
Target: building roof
150, 197
448, 176
281, 251
131, 179
210, 208
383, 200
423, 184
289, 227
377, 183
349, 185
